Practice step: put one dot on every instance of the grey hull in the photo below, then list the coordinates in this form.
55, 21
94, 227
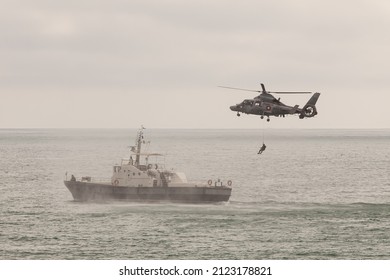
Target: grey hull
84, 191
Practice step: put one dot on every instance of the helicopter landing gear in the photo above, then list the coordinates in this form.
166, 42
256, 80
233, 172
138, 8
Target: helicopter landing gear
261, 117
268, 119
238, 114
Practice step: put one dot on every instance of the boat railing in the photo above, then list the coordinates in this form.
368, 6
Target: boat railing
89, 179
146, 165
199, 183
213, 183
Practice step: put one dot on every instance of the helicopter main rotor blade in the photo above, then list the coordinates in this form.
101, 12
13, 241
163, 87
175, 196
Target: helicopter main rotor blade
291, 92
276, 92
240, 89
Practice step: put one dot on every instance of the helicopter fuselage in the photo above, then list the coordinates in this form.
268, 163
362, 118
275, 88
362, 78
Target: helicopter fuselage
266, 104
264, 108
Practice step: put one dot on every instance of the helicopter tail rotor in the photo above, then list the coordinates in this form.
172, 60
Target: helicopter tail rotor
310, 110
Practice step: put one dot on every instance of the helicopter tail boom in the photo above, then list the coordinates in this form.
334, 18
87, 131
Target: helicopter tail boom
294, 109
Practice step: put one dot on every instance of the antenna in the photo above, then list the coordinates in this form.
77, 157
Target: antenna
138, 143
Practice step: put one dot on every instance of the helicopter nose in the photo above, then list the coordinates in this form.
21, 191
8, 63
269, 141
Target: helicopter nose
233, 108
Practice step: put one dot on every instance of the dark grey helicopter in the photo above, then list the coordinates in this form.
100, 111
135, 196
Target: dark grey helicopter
267, 105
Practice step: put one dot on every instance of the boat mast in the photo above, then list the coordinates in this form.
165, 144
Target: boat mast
138, 142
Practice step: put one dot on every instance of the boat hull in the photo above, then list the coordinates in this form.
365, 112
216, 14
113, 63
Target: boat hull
85, 191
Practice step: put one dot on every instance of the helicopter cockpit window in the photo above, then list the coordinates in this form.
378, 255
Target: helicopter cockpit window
257, 103
248, 102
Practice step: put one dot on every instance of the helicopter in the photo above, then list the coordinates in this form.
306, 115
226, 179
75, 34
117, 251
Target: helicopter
267, 105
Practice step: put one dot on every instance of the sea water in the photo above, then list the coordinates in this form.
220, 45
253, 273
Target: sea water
312, 194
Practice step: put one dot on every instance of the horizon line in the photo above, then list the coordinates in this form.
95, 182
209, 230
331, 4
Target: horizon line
198, 128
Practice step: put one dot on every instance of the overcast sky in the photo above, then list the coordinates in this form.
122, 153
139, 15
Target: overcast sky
123, 63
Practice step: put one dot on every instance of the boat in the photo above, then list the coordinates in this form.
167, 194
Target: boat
141, 180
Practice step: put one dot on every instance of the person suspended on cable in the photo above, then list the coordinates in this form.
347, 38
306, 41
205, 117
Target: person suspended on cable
262, 149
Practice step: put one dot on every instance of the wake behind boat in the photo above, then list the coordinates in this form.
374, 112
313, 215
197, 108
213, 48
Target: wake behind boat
139, 179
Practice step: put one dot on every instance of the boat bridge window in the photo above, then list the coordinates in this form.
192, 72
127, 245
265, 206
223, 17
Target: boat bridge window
117, 169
